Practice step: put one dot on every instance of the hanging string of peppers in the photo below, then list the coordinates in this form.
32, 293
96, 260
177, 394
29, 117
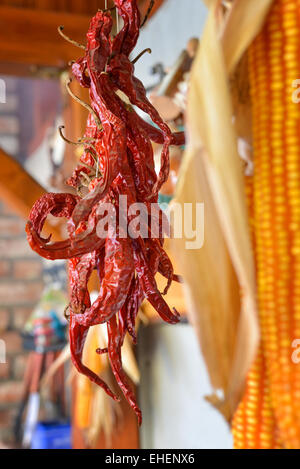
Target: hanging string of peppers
117, 161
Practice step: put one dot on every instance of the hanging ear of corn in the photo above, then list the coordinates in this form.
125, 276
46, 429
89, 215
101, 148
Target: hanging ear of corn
274, 65
254, 425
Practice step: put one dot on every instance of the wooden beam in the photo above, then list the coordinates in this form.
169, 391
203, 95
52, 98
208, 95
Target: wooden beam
74, 6
29, 37
20, 191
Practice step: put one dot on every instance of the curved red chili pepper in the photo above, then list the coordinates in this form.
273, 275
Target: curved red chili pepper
133, 303
62, 249
141, 158
77, 336
81, 275
126, 39
98, 41
79, 69
114, 353
58, 205
115, 284
115, 143
122, 72
165, 266
156, 135
150, 288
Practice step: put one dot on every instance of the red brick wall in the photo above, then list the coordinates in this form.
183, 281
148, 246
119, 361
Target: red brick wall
20, 289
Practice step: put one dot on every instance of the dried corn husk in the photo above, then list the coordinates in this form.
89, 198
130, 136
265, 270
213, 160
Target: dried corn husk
84, 390
104, 414
220, 279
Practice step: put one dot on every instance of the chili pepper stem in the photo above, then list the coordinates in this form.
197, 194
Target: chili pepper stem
85, 105
60, 129
78, 190
148, 50
117, 21
66, 315
108, 9
82, 141
86, 177
68, 39
148, 13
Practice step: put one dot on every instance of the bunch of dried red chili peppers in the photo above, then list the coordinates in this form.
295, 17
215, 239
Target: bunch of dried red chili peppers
117, 161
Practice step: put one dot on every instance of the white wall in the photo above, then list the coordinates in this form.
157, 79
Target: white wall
173, 385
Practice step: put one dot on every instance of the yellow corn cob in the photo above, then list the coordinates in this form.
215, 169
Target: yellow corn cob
254, 426
274, 65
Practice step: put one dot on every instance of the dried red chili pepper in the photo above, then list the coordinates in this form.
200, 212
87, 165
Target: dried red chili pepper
118, 272
114, 353
78, 336
117, 161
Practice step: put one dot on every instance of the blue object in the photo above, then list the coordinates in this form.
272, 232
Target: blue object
52, 435
181, 128
58, 326
164, 199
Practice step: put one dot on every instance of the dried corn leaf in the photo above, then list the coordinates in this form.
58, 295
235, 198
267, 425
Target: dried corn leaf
220, 277
209, 278
104, 414
244, 21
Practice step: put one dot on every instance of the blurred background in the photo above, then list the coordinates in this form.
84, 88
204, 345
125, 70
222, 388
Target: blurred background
43, 403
